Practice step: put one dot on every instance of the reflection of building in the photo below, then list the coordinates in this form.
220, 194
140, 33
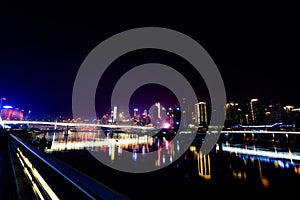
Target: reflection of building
204, 169
11, 114
204, 166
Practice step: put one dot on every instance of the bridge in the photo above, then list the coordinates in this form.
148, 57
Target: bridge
260, 132
8, 123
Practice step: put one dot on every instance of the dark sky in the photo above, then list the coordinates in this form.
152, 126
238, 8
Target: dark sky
255, 47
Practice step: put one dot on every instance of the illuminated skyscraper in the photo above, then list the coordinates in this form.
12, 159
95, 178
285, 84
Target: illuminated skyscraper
287, 113
201, 113
115, 113
158, 110
233, 114
256, 112
186, 113
158, 114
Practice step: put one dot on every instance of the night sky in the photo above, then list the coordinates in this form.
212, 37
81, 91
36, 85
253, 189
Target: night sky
255, 47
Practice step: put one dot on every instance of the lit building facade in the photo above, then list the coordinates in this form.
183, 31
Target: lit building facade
233, 114
256, 113
201, 113
11, 114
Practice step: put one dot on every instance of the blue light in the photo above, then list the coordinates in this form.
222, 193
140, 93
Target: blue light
280, 164
287, 165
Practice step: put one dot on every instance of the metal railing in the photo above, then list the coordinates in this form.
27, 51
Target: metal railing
51, 179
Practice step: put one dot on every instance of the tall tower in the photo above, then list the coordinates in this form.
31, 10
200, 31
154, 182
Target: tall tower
201, 113
186, 113
256, 112
115, 113
233, 114
158, 110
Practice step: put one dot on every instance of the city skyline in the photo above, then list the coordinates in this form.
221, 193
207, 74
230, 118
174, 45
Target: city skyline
43, 48
252, 112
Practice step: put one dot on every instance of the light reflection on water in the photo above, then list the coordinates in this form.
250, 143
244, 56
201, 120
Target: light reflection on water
114, 145
237, 166
135, 143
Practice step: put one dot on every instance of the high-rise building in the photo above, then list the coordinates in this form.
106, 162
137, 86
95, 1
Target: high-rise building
257, 113
158, 110
187, 112
115, 113
233, 114
273, 112
287, 114
201, 113
158, 114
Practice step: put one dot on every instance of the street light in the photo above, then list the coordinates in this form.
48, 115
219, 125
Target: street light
2, 99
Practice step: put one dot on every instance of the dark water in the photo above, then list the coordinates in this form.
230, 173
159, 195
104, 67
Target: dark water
236, 170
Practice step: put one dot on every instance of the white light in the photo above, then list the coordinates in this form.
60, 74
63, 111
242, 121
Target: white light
7, 107
275, 154
167, 125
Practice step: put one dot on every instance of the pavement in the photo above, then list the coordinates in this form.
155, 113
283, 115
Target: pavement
8, 188
13, 183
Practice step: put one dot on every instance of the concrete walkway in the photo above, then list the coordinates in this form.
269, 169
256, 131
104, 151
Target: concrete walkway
8, 189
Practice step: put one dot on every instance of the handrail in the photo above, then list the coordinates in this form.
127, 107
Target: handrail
90, 188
